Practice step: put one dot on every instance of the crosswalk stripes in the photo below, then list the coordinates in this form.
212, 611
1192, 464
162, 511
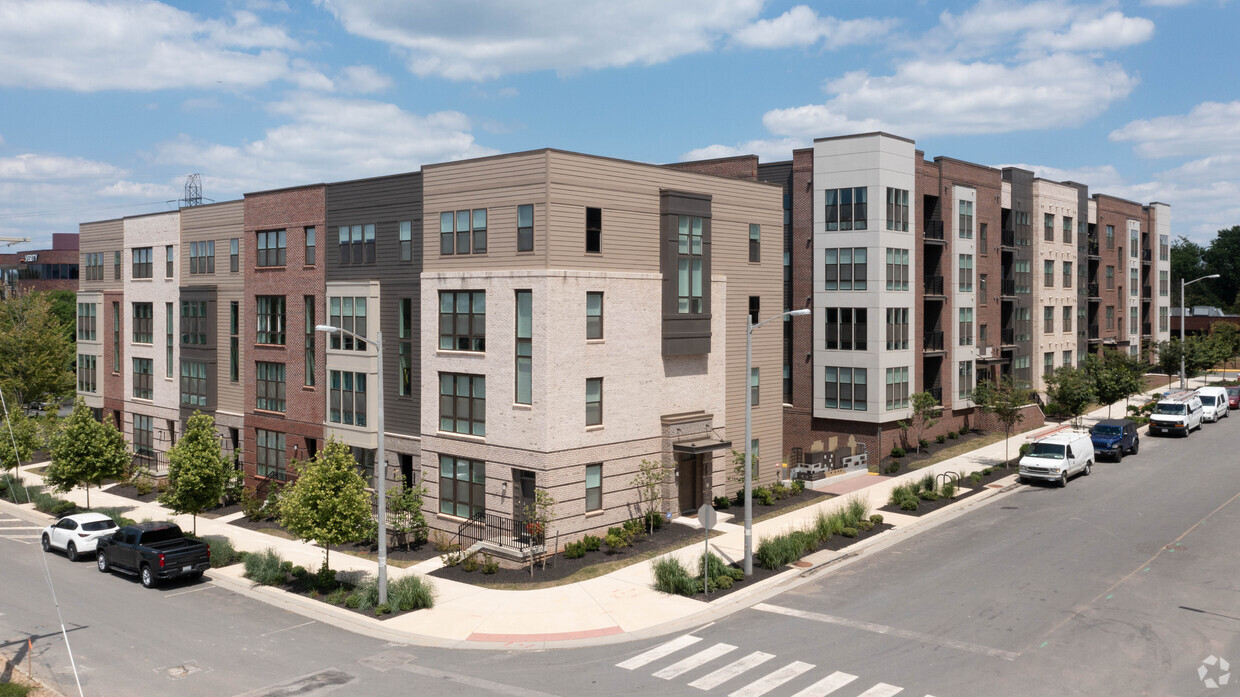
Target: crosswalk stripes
12, 529
741, 666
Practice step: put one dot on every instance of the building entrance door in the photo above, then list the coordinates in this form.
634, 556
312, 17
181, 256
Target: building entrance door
689, 482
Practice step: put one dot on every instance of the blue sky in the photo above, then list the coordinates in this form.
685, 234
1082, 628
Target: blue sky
108, 105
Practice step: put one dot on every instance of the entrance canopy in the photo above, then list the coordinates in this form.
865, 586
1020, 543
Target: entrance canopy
701, 445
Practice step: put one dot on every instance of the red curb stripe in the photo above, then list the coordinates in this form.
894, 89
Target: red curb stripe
553, 636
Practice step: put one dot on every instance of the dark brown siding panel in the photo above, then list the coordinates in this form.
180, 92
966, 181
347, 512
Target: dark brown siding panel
683, 334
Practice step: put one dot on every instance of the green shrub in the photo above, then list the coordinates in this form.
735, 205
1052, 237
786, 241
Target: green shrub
337, 596
900, 492
615, 542
865, 525
574, 550
471, 564
949, 489
876, 518
593, 543
856, 509
634, 527
987, 471
822, 526
653, 519
779, 491
715, 566
618, 531
670, 576
299, 571
143, 484
367, 595
763, 496
352, 600
62, 507
797, 486
926, 495
222, 551
951, 435
976, 477
411, 593
722, 582
325, 578
383, 609
893, 468
774, 552
252, 505
926, 483
897, 451
286, 567
452, 558
265, 568
923, 443
908, 504
723, 503
940, 439
489, 565
849, 532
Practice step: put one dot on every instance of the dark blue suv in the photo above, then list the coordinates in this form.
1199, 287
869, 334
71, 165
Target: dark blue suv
1115, 437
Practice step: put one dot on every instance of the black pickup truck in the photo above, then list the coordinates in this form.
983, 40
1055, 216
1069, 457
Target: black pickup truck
153, 551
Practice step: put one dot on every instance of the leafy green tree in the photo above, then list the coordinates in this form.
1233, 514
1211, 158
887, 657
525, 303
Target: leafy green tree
649, 480
197, 469
1221, 257
738, 468
538, 515
1227, 336
1004, 400
327, 503
1187, 263
925, 410
1072, 389
64, 308
26, 432
405, 514
1115, 376
35, 364
85, 452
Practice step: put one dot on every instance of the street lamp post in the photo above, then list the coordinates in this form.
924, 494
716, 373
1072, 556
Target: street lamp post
749, 327
380, 456
1183, 285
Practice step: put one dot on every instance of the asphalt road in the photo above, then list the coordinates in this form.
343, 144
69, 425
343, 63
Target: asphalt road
1120, 584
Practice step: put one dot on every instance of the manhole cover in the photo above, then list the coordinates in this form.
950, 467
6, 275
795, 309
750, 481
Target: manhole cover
802, 564
178, 672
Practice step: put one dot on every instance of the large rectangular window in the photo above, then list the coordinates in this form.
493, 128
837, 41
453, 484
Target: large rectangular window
594, 401
406, 240
1067, 229
1067, 319
966, 273
1110, 277
168, 334
846, 209
1133, 290
86, 322
271, 315
594, 230
1110, 237
462, 320
1162, 284
594, 315
349, 314
1067, 274
87, 380
897, 209
348, 398
142, 262
1048, 319
966, 220
897, 269
845, 388
272, 248
143, 323
143, 437
845, 269
269, 454
94, 266
404, 334
234, 255
525, 347
525, 228
462, 487
308, 312
897, 328
116, 337
897, 388
755, 242
170, 260
1110, 313
594, 488
195, 324
234, 341
964, 378
269, 380
1048, 227
116, 266
193, 383
847, 328
966, 326
463, 232
202, 257
463, 403
754, 383
311, 245
142, 378
689, 261
1048, 273
357, 243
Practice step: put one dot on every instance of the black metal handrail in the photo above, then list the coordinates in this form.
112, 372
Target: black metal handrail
155, 463
1092, 249
936, 392
1008, 238
1093, 290
934, 285
932, 341
1147, 255
1094, 333
1007, 287
493, 529
932, 229
1007, 337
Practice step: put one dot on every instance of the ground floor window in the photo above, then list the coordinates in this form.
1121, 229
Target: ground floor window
461, 486
269, 449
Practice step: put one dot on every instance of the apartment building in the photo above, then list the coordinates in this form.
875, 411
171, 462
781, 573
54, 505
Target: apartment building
100, 298
1055, 289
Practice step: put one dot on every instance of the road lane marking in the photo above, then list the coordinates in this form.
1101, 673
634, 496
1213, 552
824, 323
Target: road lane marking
288, 628
881, 690
773, 680
470, 681
712, 680
18, 539
193, 590
827, 685
660, 651
892, 631
700, 658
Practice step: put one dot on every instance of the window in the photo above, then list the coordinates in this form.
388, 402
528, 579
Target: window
966, 220
525, 228
1110, 276
846, 328
311, 244
116, 337
269, 452
269, 378
689, 265
143, 440
965, 379
594, 315
755, 309
845, 388
1067, 359
1164, 251
193, 383
86, 322
308, 312
194, 322
1067, 274
846, 209
966, 273
462, 487
846, 269
1048, 227
404, 333
168, 326
142, 379
234, 255
457, 230
1067, 229
897, 328
1048, 319
462, 320
87, 381
1110, 237
202, 257
272, 248
753, 386
594, 230
1163, 321
1024, 323
142, 262
271, 319
1048, 273
143, 331
348, 398
116, 266
1067, 319
357, 243
594, 401
755, 242
1162, 284
981, 288
981, 335
525, 342
234, 342
897, 209
169, 260
462, 404
897, 388
981, 237
897, 269
1133, 327
1048, 362
1132, 282
594, 488
349, 314
1110, 317
1132, 244
965, 315
406, 240
94, 266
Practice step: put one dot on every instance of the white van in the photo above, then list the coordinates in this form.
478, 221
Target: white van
1177, 412
1213, 402
1057, 457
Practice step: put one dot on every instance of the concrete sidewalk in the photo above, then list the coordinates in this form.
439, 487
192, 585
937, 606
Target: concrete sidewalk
619, 606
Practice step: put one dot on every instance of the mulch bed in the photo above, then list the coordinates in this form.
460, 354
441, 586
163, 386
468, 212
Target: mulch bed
924, 507
306, 588
395, 553
129, 491
737, 507
909, 461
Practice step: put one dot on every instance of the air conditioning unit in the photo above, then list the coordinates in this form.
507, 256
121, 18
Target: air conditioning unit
984, 352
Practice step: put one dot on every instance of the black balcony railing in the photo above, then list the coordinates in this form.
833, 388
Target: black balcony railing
154, 463
1093, 248
497, 530
1093, 332
933, 285
932, 229
936, 392
1007, 287
1147, 292
1093, 290
1147, 255
1147, 329
932, 341
1008, 238
1007, 337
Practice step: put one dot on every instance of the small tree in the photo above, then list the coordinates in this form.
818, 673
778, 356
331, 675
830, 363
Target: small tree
1072, 389
649, 481
26, 432
538, 516
738, 468
925, 412
1005, 400
405, 514
85, 452
36, 357
327, 503
1228, 337
1115, 376
197, 470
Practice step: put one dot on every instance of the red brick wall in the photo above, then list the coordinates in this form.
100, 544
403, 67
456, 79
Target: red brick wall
741, 167
113, 382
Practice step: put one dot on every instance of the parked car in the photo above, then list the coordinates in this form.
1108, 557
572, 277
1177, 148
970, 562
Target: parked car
153, 551
1177, 412
1233, 397
1114, 437
77, 534
1213, 403
1057, 457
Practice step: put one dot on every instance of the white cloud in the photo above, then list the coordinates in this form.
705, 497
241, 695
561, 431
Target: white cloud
135, 45
477, 40
1036, 27
1112, 30
1100, 179
363, 79
1166, 3
36, 167
1211, 127
801, 26
772, 150
125, 189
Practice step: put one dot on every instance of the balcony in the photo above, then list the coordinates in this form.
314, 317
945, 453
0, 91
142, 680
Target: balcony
1092, 249
1007, 288
1094, 291
1146, 330
1147, 292
1147, 256
936, 392
933, 285
932, 341
1007, 337
1008, 239
1094, 334
932, 230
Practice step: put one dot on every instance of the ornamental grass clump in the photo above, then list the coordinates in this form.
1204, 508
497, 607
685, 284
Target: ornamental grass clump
411, 593
670, 576
266, 568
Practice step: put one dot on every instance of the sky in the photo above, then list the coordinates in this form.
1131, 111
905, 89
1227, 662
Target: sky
106, 107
